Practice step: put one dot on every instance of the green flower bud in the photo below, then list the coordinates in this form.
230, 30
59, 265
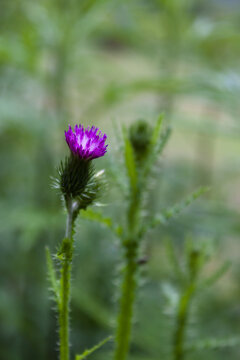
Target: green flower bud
140, 135
78, 181
74, 174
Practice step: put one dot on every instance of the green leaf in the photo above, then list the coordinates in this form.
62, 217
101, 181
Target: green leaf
92, 306
157, 131
163, 140
89, 214
52, 276
173, 259
173, 211
179, 207
217, 275
116, 169
213, 344
93, 349
130, 163
158, 142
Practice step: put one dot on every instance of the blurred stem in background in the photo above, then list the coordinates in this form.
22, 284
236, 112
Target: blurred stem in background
70, 19
173, 19
62, 50
129, 282
60, 79
141, 150
182, 317
177, 21
195, 258
197, 253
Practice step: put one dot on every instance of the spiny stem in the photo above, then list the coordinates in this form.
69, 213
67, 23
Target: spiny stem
182, 316
129, 282
64, 310
69, 224
66, 261
126, 303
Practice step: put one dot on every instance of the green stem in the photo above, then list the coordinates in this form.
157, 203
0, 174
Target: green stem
64, 311
129, 283
66, 265
182, 317
126, 302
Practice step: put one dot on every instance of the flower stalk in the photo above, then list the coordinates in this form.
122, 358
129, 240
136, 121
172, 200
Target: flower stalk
64, 310
65, 285
79, 186
195, 259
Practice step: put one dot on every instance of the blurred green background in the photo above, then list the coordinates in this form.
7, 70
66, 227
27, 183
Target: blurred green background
108, 63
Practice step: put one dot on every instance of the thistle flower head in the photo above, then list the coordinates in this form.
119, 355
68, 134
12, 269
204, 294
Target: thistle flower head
86, 143
77, 179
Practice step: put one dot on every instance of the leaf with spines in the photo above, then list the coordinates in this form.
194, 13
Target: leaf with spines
93, 349
173, 211
164, 139
116, 175
173, 260
157, 144
213, 344
221, 271
179, 207
157, 131
116, 169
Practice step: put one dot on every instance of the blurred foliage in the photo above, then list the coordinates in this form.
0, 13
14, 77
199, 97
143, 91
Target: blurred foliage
108, 63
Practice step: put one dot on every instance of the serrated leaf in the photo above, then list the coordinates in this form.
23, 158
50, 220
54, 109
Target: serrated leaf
179, 207
157, 131
89, 214
93, 349
52, 276
158, 143
217, 275
163, 140
213, 344
170, 251
173, 211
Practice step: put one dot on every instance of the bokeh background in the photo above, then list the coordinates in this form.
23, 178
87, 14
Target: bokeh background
108, 63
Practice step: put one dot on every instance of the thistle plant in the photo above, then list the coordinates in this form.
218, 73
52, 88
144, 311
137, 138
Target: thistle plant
138, 146
79, 186
143, 145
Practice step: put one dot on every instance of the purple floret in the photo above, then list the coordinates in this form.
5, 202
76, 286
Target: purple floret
86, 143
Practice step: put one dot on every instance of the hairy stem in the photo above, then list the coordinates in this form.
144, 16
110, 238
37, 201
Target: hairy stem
64, 310
64, 306
126, 303
129, 283
182, 317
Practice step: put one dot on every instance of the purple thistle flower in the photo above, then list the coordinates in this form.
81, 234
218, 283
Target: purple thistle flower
86, 143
